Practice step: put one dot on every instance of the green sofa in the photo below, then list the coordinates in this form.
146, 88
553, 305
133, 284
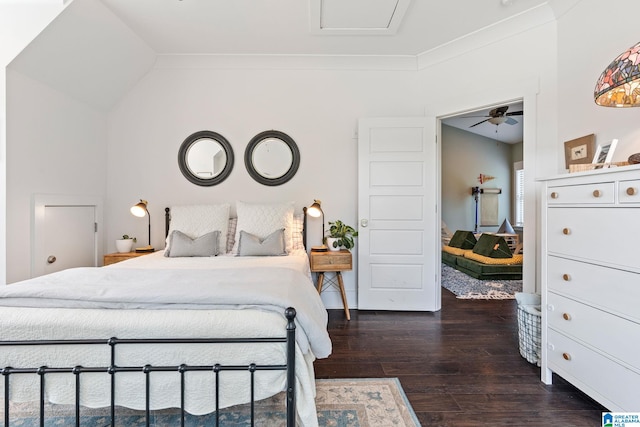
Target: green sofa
488, 245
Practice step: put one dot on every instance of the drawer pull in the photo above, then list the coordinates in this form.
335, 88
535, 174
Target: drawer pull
597, 193
554, 195
631, 191
566, 231
566, 356
566, 277
566, 316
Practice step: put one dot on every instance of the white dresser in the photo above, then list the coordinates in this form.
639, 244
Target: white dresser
591, 284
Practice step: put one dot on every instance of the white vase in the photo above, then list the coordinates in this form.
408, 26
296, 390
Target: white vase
124, 245
330, 241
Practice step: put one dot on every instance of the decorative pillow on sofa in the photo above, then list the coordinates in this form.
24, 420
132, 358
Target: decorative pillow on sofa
463, 240
182, 245
455, 251
514, 260
492, 246
252, 245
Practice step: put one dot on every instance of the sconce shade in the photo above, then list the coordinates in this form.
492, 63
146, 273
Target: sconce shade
315, 210
619, 84
140, 209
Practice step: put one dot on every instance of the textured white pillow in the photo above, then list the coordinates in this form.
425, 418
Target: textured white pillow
262, 219
296, 233
197, 220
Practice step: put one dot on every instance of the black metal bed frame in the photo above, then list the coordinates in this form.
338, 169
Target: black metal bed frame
113, 369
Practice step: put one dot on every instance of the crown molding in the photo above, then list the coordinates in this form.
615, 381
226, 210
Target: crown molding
299, 62
517, 24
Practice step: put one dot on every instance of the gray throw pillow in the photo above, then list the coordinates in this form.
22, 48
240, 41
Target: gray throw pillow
252, 245
182, 245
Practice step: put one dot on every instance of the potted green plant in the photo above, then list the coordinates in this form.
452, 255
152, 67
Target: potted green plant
125, 244
340, 236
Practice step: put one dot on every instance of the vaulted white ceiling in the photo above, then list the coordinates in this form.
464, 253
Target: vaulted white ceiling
96, 50
293, 27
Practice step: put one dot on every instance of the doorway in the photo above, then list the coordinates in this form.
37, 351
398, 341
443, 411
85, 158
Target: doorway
479, 149
498, 135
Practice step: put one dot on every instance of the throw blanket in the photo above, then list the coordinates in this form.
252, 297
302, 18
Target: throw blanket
272, 289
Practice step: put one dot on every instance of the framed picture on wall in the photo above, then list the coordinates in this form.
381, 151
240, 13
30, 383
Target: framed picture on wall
604, 152
579, 151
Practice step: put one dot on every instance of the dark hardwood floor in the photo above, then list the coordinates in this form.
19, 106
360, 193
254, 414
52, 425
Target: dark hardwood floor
458, 367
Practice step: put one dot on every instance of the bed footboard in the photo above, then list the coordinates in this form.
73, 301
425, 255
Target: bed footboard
113, 369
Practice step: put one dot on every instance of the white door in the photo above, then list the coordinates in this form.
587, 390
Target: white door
398, 233
69, 238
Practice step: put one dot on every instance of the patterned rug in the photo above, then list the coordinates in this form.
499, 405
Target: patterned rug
339, 402
467, 287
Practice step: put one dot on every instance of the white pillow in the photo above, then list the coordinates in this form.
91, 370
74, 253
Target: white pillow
262, 219
296, 233
198, 220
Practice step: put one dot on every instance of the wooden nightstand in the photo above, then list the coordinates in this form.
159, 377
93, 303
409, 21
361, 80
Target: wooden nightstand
121, 256
334, 262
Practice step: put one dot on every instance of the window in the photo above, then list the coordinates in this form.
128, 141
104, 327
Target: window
518, 176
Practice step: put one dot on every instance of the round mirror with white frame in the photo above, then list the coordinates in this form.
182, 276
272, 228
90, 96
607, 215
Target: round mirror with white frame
272, 158
205, 158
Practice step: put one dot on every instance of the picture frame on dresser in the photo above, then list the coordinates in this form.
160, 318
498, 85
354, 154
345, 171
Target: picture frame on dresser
604, 152
579, 151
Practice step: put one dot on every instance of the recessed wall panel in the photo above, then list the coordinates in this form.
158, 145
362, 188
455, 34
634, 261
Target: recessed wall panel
407, 174
396, 208
395, 140
396, 276
396, 242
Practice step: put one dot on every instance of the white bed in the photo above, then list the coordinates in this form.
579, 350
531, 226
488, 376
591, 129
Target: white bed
157, 296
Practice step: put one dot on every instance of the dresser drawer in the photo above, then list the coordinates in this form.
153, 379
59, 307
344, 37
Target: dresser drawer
613, 385
331, 261
608, 235
614, 335
629, 191
600, 193
614, 290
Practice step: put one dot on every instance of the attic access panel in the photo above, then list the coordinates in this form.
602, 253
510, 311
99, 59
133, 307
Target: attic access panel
359, 17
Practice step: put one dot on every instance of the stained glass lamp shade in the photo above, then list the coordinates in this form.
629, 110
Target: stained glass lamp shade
619, 84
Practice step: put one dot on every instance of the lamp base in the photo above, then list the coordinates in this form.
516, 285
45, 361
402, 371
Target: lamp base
322, 248
145, 249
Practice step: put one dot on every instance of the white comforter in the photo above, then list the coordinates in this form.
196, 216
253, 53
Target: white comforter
231, 297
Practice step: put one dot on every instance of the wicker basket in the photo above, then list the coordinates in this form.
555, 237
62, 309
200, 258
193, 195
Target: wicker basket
591, 166
529, 327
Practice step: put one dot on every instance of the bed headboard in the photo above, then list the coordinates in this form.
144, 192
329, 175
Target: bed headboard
167, 220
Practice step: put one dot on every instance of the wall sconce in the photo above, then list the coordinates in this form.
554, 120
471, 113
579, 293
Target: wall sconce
619, 83
315, 210
140, 210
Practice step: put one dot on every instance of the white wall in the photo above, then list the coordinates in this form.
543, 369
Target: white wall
319, 109
20, 22
464, 157
57, 146
586, 46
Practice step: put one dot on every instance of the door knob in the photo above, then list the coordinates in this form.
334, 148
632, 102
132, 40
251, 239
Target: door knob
51, 259
364, 222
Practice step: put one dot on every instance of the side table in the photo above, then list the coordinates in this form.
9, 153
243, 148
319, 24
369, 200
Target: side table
333, 262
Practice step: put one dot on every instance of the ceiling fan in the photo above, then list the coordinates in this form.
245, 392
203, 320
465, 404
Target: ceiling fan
499, 115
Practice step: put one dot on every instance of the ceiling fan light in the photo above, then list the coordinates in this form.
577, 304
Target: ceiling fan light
619, 83
497, 120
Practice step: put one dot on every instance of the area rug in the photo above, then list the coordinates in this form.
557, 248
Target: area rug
467, 287
340, 403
